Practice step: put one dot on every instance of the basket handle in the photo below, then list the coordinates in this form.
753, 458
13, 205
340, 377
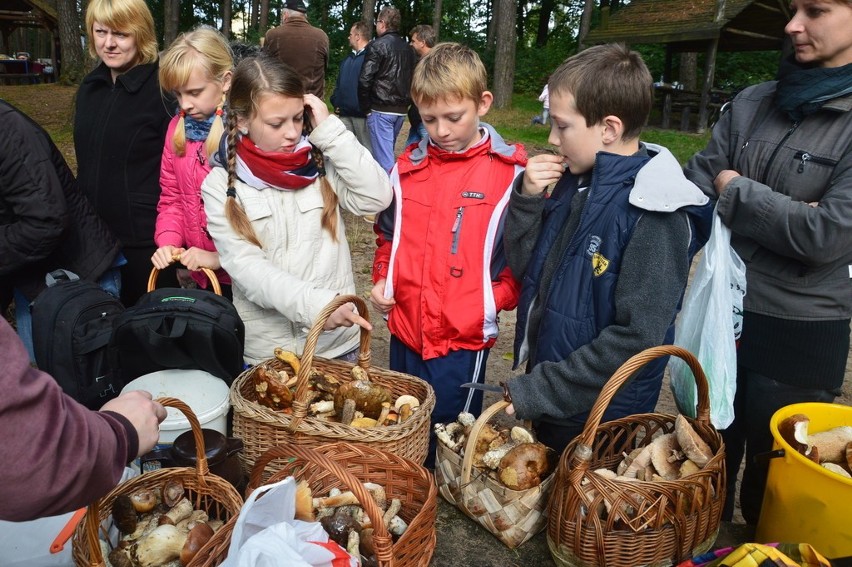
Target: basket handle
470, 444
583, 450
211, 275
382, 541
300, 405
92, 521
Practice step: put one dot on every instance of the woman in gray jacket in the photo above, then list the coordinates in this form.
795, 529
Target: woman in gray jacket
781, 165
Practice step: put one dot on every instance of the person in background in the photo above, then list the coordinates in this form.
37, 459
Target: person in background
344, 99
384, 85
274, 211
779, 162
439, 272
544, 97
197, 70
57, 455
604, 255
422, 41
120, 124
45, 220
300, 45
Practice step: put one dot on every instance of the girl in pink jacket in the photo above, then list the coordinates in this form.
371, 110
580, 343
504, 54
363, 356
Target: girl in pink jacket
197, 70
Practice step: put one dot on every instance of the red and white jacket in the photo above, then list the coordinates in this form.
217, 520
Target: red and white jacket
440, 245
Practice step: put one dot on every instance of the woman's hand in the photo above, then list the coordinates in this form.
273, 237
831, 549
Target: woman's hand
542, 171
317, 110
345, 316
723, 179
164, 256
196, 258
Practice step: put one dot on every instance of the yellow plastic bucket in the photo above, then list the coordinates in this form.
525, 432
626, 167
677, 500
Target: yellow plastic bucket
803, 502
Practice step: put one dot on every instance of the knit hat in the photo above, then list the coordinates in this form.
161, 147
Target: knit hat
297, 5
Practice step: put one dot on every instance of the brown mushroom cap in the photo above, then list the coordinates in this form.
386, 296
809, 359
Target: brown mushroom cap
695, 448
524, 466
198, 536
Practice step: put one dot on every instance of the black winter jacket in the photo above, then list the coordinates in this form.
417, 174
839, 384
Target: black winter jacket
385, 81
45, 221
119, 131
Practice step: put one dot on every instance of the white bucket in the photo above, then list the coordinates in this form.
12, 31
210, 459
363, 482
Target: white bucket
205, 394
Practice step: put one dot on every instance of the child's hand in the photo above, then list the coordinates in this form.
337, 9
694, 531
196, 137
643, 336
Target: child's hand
164, 256
378, 300
542, 171
317, 110
345, 316
196, 258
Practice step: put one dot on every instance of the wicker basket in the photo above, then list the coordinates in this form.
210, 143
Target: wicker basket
653, 523
347, 467
513, 516
205, 490
211, 275
262, 428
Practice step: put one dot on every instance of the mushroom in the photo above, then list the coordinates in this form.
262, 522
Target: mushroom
271, 391
521, 435
288, 357
640, 461
836, 469
143, 500
687, 468
304, 502
195, 540
524, 466
338, 526
162, 545
628, 458
794, 430
832, 443
183, 509
661, 448
172, 492
368, 397
124, 514
691, 443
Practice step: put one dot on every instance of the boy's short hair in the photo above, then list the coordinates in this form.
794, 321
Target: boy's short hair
425, 33
449, 70
608, 80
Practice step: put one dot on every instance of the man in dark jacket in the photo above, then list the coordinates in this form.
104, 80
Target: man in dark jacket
345, 95
45, 221
384, 85
300, 45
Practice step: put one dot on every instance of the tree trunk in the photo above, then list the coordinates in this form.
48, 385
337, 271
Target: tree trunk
544, 23
226, 19
73, 65
369, 12
504, 56
264, 17
171, 16
255, 13
436, 19
491, 34
585, 23
689, 70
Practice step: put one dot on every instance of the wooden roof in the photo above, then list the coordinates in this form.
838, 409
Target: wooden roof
29, 13
687, 25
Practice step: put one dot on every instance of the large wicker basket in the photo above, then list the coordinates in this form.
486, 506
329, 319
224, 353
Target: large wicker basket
347, 467
262, 428
205, 490
513, 516
653, 523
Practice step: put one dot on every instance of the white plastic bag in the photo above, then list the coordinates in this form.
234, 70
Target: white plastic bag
267, 534
709, 325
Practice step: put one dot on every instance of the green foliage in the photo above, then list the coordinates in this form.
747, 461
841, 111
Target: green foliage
533, 65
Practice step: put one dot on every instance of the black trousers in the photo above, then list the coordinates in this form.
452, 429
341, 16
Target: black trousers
757, 399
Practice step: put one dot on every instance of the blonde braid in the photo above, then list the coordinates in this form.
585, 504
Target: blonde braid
179, 137
211, 145
329, 197
233, 210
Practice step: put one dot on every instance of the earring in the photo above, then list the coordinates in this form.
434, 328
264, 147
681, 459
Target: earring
244, 131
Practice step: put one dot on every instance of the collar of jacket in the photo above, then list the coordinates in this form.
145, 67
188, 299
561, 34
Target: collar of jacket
661, 185
840, 104
417, 156
132, 80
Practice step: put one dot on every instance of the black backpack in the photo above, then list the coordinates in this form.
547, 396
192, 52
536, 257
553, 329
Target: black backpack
72, 325
174, 328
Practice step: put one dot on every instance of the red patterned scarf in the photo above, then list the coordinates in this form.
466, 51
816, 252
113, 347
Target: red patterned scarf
285, 170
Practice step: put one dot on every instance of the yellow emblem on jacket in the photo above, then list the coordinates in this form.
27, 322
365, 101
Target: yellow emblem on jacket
599, 264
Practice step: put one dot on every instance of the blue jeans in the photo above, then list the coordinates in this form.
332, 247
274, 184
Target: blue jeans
415, 134
110, 282
384, 129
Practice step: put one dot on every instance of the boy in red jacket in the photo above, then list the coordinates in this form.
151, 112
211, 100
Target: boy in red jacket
440, 273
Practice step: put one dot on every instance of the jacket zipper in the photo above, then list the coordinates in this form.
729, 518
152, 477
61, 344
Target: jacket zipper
454, 248
778, 148
804, 157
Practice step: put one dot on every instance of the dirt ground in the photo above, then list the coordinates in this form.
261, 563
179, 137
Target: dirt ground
50, 105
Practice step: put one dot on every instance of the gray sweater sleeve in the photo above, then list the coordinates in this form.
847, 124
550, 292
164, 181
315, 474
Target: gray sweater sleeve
654, 272
523, 225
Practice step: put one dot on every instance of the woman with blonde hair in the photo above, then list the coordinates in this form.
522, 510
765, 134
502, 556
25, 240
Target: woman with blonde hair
197, 70
119, 127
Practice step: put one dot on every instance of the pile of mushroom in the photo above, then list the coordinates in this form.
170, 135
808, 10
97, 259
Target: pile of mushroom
159, 528
831, 449
358, 403
511, 456
346, 522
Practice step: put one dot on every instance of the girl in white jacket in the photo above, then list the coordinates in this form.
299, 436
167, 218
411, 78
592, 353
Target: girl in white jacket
274, 210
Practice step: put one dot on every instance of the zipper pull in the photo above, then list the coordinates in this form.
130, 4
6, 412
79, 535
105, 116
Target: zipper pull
457, 222
804, 157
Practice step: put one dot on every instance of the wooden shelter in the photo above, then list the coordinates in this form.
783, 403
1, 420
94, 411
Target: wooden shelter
705, 26
16, 14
